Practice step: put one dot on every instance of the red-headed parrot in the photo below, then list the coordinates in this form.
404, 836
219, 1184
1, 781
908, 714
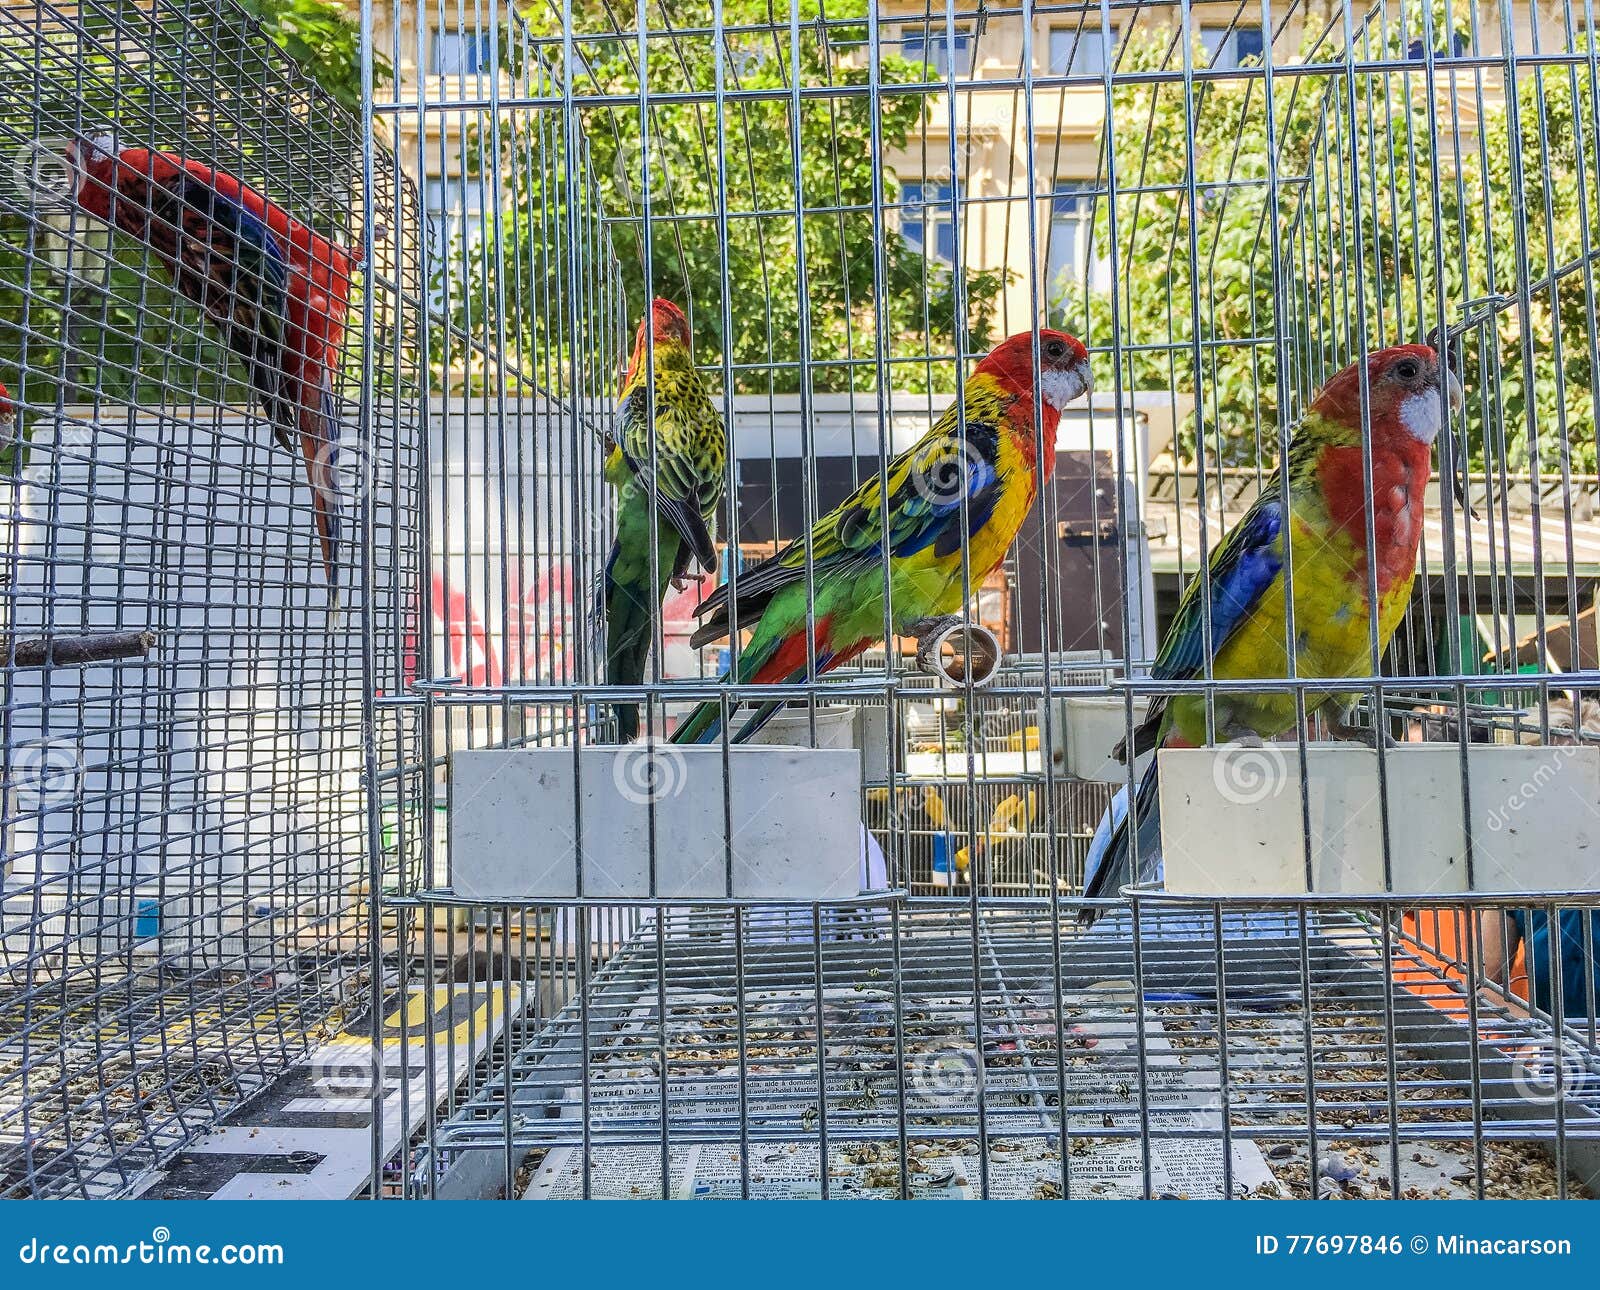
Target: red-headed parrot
687, 462
277, 291
903, 533
1327, 525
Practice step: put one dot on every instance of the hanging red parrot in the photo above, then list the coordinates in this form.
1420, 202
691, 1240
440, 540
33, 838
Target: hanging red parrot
980, 465
8, 418
277, 291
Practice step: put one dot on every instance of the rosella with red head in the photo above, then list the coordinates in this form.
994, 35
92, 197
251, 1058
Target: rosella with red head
953, 501
277, 292
1321, 526
8, 418
667, 463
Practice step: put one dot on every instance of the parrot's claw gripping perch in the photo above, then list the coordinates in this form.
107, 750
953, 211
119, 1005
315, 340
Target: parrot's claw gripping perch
1242, 737
928, 631
1347, 732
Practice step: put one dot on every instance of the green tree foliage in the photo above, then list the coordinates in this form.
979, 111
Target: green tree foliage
744, 167
323, 40
1375, 205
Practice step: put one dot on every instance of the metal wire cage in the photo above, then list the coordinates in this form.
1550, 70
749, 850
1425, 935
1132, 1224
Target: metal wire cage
852, 205
185, 910
1229, 203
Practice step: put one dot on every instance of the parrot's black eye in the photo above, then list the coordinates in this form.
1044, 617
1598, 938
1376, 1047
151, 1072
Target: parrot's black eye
1407, 369
1055, 349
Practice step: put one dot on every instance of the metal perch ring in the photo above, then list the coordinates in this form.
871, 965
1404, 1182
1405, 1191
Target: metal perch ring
967, 641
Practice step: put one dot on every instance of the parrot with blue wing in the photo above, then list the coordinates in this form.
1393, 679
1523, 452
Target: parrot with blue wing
276, 291
1321, 525
901, 534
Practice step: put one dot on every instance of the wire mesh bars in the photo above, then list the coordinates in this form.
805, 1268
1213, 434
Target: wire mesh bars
186, 909
851, 205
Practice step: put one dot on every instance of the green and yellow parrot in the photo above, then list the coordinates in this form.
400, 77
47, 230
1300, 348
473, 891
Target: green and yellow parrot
902, 534
678, 439
1325, 526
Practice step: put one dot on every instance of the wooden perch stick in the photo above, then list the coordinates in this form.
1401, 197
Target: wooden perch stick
75, 651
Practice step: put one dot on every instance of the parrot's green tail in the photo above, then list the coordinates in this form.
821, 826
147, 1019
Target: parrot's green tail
631, 602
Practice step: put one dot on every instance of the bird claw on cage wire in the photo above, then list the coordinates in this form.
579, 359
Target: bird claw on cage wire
1343, 730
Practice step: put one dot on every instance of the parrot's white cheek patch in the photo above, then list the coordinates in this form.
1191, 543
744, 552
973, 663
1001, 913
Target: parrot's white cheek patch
1422, 415
1059, 388
101, 147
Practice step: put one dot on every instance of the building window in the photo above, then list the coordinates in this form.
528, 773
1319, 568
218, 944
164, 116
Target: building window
1460, 43
1084, 51
455, 223
1228, 47
926, 222
1071, 239
943, 52
461, 53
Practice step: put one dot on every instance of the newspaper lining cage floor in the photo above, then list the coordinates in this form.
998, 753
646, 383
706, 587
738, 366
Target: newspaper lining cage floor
185, 911
1339, 1075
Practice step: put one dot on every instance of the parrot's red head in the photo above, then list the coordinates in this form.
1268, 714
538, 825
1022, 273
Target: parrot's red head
668, 328
668, 323
1406, 389
95, 163
8, 415
1063, 376
1063, 371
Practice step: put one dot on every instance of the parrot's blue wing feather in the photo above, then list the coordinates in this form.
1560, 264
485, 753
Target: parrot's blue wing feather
927, 487
935, 519
1242, 569
229, 261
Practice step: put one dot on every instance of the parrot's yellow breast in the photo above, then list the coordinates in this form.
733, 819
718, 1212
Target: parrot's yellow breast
1332, 633
939, 577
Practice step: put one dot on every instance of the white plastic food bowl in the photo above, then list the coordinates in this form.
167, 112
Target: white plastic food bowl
532, 824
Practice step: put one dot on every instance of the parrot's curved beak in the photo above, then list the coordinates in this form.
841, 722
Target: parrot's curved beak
1453, 392
1061, 387
1083, 374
